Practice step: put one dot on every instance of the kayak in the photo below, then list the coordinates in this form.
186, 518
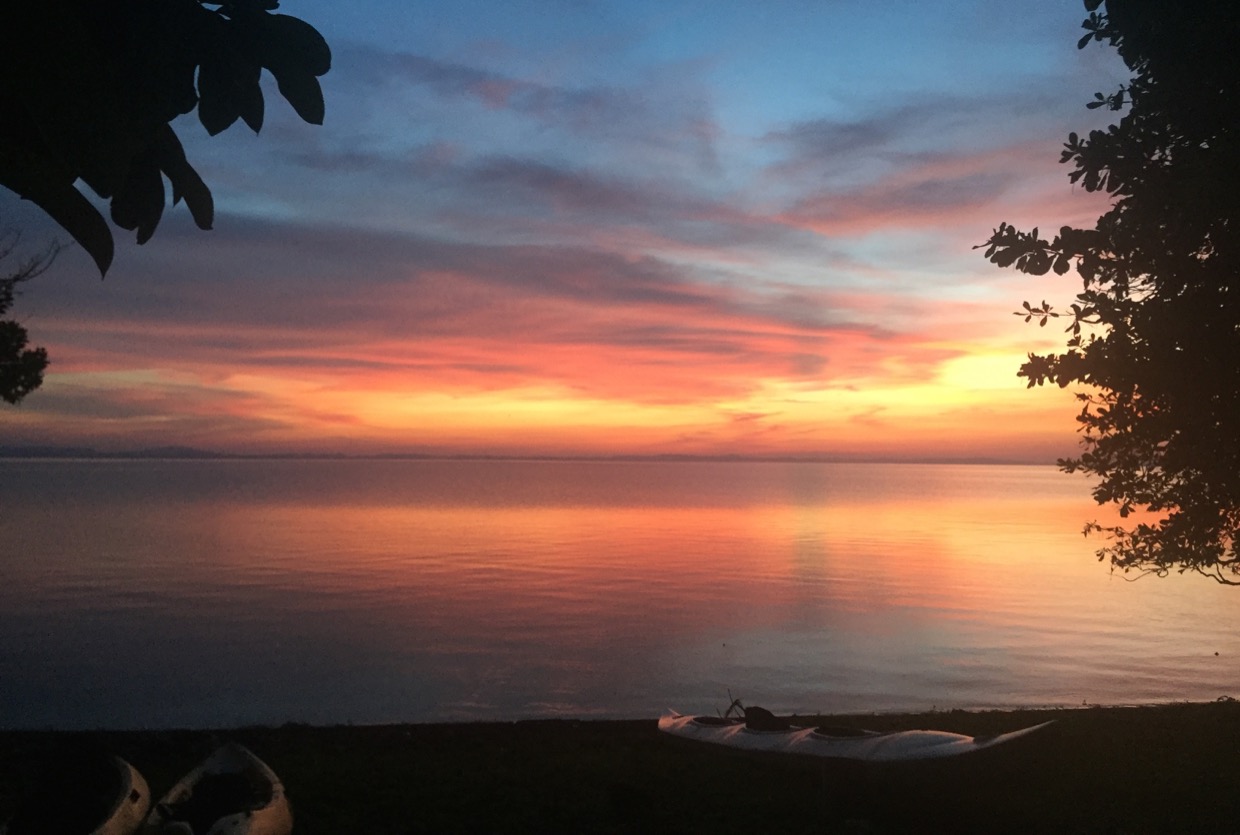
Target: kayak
232, 792
836, 743
83, 795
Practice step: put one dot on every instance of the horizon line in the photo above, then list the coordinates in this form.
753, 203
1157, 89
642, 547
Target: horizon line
172, 453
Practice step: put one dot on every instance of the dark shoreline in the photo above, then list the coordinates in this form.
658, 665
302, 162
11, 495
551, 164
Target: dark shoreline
52, 453
1169, 768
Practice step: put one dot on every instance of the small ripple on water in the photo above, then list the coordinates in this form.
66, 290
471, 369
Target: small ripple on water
807, 587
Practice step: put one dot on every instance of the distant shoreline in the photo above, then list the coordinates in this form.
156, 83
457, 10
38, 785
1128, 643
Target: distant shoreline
191, 454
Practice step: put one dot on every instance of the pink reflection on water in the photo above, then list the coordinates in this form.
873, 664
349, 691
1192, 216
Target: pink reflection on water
372, 591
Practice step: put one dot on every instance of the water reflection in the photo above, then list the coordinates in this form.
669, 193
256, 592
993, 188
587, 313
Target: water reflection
228, 592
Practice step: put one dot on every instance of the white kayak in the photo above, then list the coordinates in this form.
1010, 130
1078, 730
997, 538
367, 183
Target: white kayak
867, 746
92, 796
232, 792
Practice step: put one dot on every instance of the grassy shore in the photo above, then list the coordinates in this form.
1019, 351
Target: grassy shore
1172, 769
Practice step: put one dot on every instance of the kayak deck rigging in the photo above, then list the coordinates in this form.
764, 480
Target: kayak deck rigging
759, 730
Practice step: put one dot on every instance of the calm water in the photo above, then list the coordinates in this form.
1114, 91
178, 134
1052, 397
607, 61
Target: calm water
188, 593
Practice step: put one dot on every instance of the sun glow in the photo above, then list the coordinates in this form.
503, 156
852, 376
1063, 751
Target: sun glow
983, 371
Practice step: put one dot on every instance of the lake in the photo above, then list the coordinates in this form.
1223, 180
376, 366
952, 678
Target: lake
227, 592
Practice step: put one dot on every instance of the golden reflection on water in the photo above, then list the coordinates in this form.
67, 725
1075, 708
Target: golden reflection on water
1008, 560
445, 590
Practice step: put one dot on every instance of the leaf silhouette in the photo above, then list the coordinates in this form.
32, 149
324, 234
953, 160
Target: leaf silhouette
139, 202
66, 205
291, 44
305, 95
218, 104
185, 180
250, 103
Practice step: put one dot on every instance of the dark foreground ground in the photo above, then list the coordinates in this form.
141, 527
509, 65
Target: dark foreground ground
1173, 769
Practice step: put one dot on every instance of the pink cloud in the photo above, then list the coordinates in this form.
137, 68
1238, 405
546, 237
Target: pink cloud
597, 325
960, 194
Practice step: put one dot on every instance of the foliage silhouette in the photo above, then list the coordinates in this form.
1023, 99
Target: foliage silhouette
88, 89
1155, 333
21, 368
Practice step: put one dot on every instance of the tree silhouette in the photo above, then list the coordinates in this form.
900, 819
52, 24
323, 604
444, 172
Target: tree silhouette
88, 89
21, 368
1155, 333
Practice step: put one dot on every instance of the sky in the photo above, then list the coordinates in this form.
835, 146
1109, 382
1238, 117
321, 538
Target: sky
570, 227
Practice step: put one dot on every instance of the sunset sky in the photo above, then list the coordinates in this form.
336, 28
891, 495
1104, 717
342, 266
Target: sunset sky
579, 228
